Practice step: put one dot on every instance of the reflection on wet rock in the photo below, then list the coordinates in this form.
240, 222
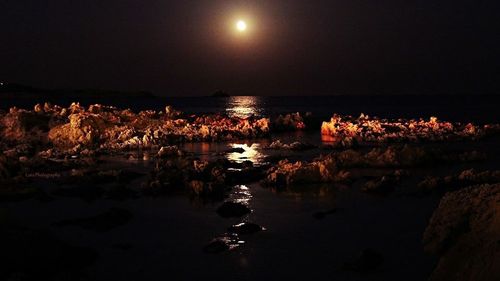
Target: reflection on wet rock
245, 228
228, 241
297, 146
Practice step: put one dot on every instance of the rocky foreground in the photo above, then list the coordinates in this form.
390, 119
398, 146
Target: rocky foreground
64, 149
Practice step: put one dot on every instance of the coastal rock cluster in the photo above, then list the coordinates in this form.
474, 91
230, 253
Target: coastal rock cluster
107, 127
334, 167
349, 130
291, 121
463, 179
321, 170
200, 178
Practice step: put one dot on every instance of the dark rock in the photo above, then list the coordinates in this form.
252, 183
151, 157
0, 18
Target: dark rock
231, 209
246, 175
216, 246
384, 185
228, 241
245, 228
106, 221
235, 150
464, 231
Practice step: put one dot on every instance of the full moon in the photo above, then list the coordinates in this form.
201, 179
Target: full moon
241, 26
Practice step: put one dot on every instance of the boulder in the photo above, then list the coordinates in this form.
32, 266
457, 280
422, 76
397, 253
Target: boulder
232, 209
24, 126
464, 231
82, 129
245, 228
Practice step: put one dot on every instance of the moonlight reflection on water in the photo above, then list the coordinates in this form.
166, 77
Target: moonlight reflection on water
244, 106
251, 153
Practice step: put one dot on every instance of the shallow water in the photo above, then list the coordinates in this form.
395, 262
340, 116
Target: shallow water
166, 236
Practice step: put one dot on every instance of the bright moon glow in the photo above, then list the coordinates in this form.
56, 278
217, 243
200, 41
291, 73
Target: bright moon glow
241, 25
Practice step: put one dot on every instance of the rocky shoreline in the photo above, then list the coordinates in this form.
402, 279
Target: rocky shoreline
52, 152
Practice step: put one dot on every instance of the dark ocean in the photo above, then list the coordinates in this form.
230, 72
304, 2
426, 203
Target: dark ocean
462, 108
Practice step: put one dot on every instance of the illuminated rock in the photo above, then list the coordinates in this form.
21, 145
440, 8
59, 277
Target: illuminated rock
465, 178
82, 129
372, 130
245, 228
323, 169
23, 126
297, 146
289, 122
169, 151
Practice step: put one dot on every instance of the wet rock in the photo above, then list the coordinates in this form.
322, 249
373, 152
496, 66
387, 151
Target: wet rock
106, 221
228, 241
24, 126
289, 122
383, 185
368, 261
245, 228
245, 175
200, 178
320, 170
202, 189
216, 246
169, 151
296, 146
231, 209
235, 150
463, 179
464, 231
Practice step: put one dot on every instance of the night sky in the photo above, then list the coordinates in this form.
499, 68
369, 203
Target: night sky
293, 46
